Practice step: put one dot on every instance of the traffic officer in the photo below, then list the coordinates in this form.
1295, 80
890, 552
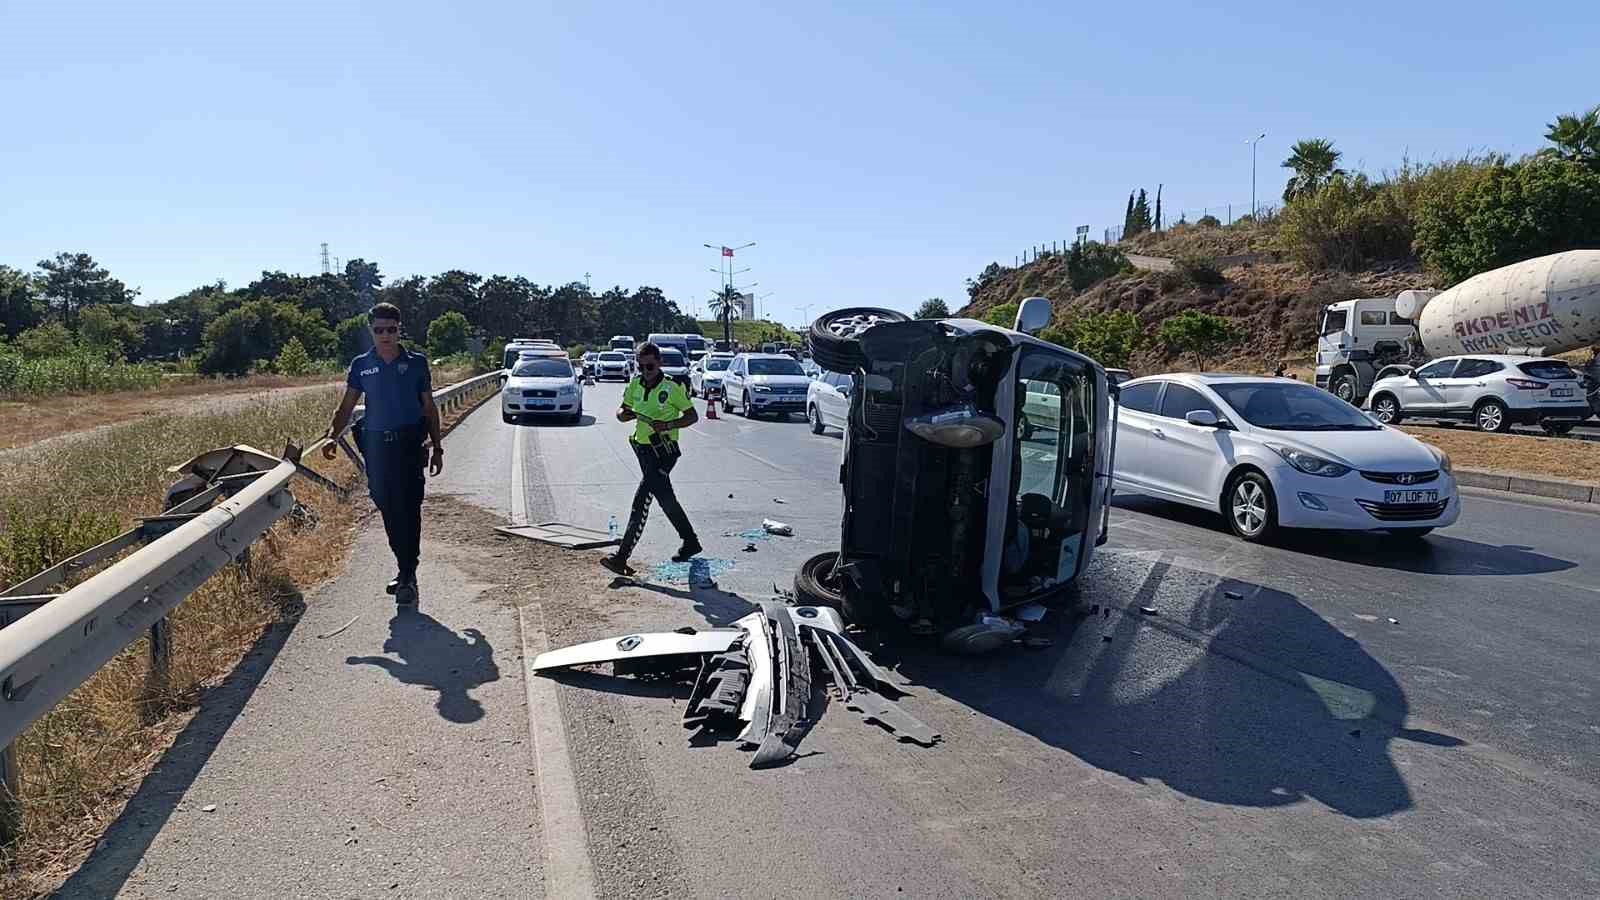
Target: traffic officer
660, 407
400, 410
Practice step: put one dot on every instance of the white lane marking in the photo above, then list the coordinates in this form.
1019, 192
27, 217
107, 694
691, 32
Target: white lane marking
519, 495
567, 871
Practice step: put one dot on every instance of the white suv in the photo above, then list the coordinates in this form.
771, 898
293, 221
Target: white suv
1492, 392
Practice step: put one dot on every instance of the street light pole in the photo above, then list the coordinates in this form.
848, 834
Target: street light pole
1253, 144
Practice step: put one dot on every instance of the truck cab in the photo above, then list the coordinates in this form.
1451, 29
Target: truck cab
1356, 339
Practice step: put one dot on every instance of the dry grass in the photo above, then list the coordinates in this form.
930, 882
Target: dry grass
1522, 454
27, 422
85, 759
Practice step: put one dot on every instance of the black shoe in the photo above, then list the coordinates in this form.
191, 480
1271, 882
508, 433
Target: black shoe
619, 566
392, 586
690, 549
405, 592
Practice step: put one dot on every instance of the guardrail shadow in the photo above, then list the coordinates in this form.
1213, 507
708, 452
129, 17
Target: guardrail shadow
437, 659
1246, 698
124, 844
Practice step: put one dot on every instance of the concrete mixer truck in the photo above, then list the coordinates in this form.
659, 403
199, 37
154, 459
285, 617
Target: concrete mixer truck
1536, 307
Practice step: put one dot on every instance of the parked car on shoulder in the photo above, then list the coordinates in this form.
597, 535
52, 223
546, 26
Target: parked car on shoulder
828, 401
1490, 391
1271, 453
542, 386
765, 383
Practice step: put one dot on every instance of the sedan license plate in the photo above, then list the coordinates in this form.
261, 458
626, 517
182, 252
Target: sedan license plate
1561, 392
1411, 496
542, 404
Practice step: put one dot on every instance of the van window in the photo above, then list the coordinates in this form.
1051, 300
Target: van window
1333, 321
1140, 397
1397, 319
1373, 317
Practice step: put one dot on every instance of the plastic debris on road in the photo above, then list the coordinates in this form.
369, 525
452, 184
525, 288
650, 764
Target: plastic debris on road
772, 526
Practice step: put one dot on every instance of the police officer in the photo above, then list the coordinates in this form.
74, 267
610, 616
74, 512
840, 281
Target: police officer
400, 411
659, 406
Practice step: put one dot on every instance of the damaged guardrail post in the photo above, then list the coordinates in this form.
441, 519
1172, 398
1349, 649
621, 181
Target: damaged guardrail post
158, 678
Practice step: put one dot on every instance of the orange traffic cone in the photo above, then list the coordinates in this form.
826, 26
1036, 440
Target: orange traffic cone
711, 408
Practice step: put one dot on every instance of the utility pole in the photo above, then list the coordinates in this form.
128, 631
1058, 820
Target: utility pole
1253, 144
325, 269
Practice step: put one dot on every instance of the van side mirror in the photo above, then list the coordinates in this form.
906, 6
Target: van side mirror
1204, 418
1032, 315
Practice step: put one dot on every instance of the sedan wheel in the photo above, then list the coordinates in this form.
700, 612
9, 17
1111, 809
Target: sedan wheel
1252, 513
815, 418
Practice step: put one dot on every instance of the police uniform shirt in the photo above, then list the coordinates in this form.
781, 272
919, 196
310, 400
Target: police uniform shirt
666, 401
393, 389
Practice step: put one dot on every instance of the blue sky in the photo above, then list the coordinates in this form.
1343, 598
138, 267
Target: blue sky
878, 153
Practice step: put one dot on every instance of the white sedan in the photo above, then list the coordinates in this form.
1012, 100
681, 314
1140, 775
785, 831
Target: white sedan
1273, 453
542, 386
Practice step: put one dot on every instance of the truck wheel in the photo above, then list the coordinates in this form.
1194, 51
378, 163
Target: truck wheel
816, 585
1251, 509
1556, 429
1386, 409
833, 336
1344, 387
1491, 416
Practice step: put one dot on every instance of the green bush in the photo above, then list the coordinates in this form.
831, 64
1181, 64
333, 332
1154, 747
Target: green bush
353, 338
1004, 315
448, 334
1200, 335
1202, 270
1092, 262
1347, 222
49, 339
1208, 221
293, 360
77, 372
236, 341
1109, 338
1503, 213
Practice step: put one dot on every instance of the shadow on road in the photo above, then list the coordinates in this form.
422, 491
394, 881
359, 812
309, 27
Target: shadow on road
1247, 697
437, 659
719, 608
115, 857
1436, 554
552, 422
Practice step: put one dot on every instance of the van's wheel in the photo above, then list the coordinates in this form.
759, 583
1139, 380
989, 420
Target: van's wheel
834, 336
1386, 409
1344, 387
1556, 429
816, 584
1491, 416
815, 418
1251, 508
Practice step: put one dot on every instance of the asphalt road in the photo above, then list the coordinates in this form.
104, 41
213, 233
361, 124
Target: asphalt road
1324, 718
1328, 717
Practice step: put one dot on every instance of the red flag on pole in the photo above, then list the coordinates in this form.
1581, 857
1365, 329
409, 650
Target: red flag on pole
727, 251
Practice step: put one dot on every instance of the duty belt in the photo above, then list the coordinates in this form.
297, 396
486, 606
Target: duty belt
393, 435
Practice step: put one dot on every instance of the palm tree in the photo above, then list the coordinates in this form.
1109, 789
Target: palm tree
1576, 138
723, 308
1314, 162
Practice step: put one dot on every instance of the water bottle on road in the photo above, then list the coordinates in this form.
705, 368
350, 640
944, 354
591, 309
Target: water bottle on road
611, 528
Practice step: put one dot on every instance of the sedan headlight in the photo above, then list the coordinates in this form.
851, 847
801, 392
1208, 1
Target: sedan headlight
761, 389
567, 390
1442, 457
1309, 463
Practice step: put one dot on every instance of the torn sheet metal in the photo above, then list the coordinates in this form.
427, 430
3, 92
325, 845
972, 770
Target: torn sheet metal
872, 670
838, 668
878, 709
637, 646
572, 537
794, 669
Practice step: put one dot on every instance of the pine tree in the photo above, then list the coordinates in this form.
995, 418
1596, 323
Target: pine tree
1140, 217
1127, 218
1158, 207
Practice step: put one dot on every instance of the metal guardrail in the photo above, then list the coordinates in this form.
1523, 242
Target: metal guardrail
51, 644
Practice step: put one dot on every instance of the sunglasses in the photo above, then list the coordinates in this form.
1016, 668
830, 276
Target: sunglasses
386, 329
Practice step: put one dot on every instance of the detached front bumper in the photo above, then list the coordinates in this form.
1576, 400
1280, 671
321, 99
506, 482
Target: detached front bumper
1354, 503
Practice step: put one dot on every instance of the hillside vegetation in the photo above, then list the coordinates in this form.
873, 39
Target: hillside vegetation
1337, 236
